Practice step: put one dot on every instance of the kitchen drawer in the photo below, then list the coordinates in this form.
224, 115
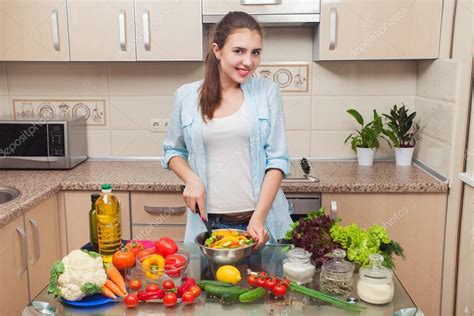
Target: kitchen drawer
156, 232
158, 208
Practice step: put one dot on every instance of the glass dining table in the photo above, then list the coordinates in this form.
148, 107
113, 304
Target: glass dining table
268, 259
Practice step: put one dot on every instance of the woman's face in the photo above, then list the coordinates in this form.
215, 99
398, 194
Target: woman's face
240, 55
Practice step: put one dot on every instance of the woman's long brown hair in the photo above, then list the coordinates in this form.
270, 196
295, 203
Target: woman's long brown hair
210, 95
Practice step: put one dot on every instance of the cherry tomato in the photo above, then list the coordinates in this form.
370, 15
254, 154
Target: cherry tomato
123, 259
168, 284
252, 279
270, 283
279, 290
188, 297
286, 283
189, 280
152, 287
196, 290
166, 246
131, 300
262, 273
134, 285
260, 282
170, 299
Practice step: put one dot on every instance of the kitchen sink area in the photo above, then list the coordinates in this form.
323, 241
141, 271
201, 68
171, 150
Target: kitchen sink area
8, 194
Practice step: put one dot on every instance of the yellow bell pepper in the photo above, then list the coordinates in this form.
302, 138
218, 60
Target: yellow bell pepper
153, 266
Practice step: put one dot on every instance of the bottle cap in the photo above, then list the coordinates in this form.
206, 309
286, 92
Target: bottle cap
106, 186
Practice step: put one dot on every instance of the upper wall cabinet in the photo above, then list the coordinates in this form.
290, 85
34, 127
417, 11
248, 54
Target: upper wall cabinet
220, 7
33, 30
378, 29
101, 30
169, 30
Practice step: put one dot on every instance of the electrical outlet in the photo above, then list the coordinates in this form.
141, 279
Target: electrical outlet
158, 125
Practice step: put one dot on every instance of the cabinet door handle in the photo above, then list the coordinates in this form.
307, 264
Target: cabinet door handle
146, 29
123, 44
24, 251
36, 240
252, 2
332, 28
333, 209
164, 209
55, 29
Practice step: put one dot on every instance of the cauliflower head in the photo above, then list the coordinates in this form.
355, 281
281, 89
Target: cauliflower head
77, 275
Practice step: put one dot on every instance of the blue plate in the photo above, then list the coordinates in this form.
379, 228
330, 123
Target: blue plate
93, 300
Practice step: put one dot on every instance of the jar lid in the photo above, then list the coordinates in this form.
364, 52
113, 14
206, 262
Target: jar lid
375, 272
337, 264
298, 254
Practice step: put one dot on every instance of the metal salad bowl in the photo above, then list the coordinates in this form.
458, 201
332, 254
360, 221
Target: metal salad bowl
223, 256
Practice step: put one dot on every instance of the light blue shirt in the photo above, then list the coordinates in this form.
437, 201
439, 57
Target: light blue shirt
268, 148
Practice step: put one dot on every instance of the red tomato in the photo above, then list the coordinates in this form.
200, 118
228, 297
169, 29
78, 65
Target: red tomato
260, 282
189, 280
262, 273
134, 285
123, 259
152, 287
196, 290
252, 280
286, 283
131, 300
188, 297
168, 284
166, 246
170, 299
270, 283
134, 247
279, 290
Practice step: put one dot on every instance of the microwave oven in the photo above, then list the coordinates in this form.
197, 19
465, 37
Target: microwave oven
42, 144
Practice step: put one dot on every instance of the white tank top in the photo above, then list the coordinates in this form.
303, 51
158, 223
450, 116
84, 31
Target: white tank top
229, 180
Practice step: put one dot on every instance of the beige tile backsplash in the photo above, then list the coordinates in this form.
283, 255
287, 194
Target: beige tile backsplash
316, 121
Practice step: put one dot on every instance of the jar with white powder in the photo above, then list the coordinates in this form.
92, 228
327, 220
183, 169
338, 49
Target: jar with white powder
375, 283
298, 266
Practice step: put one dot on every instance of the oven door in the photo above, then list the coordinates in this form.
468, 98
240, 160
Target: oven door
303, 203
23, 145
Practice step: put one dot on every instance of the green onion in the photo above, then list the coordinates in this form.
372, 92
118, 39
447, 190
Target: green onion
326, 298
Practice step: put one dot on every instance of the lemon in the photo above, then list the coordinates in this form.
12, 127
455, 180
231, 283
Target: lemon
228, 274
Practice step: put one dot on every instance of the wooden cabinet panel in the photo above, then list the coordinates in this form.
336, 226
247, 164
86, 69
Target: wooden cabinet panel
161, 33
13, 275
378, 29
33, 30
156, 232
157, 208
219, 7
417, 222
77, 205
43, 243
102, 30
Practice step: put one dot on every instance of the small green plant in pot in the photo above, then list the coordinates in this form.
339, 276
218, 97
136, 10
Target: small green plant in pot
365, 140
403, 132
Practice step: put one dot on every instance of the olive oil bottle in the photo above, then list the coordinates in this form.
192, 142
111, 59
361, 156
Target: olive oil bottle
93, 223
108, 223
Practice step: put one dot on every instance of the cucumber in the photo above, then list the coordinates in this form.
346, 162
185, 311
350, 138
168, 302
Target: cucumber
219, 291
229, 298
252, 295
202, 283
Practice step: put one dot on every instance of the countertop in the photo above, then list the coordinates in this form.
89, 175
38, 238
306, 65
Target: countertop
335, 176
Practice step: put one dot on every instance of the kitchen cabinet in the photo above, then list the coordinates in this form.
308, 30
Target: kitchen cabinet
158, 214
168, 30
42, 230
101, 30
417, 222
76, 209
13, 270
33, 30
256, 7
378, 29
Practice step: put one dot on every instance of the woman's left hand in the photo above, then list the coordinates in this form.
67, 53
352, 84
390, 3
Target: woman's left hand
257, 231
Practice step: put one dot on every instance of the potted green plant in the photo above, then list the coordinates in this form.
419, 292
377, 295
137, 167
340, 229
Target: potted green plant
365, 141
403, 132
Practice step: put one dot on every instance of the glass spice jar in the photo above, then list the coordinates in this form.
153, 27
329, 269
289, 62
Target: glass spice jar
336, 275
375, 283
298, 266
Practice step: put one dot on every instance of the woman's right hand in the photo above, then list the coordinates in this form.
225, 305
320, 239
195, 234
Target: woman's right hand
195, 193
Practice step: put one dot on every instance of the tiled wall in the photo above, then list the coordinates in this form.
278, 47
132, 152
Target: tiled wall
136, 92
436, 106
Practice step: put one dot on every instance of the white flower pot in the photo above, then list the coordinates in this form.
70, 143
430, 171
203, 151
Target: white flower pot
403, 156
365, 156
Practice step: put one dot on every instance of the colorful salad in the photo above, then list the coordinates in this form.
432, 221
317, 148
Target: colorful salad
228, 239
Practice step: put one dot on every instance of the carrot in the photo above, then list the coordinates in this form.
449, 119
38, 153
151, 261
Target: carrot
107, 292
114, 288
114, 276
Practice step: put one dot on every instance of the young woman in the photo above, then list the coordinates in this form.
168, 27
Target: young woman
226, 139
